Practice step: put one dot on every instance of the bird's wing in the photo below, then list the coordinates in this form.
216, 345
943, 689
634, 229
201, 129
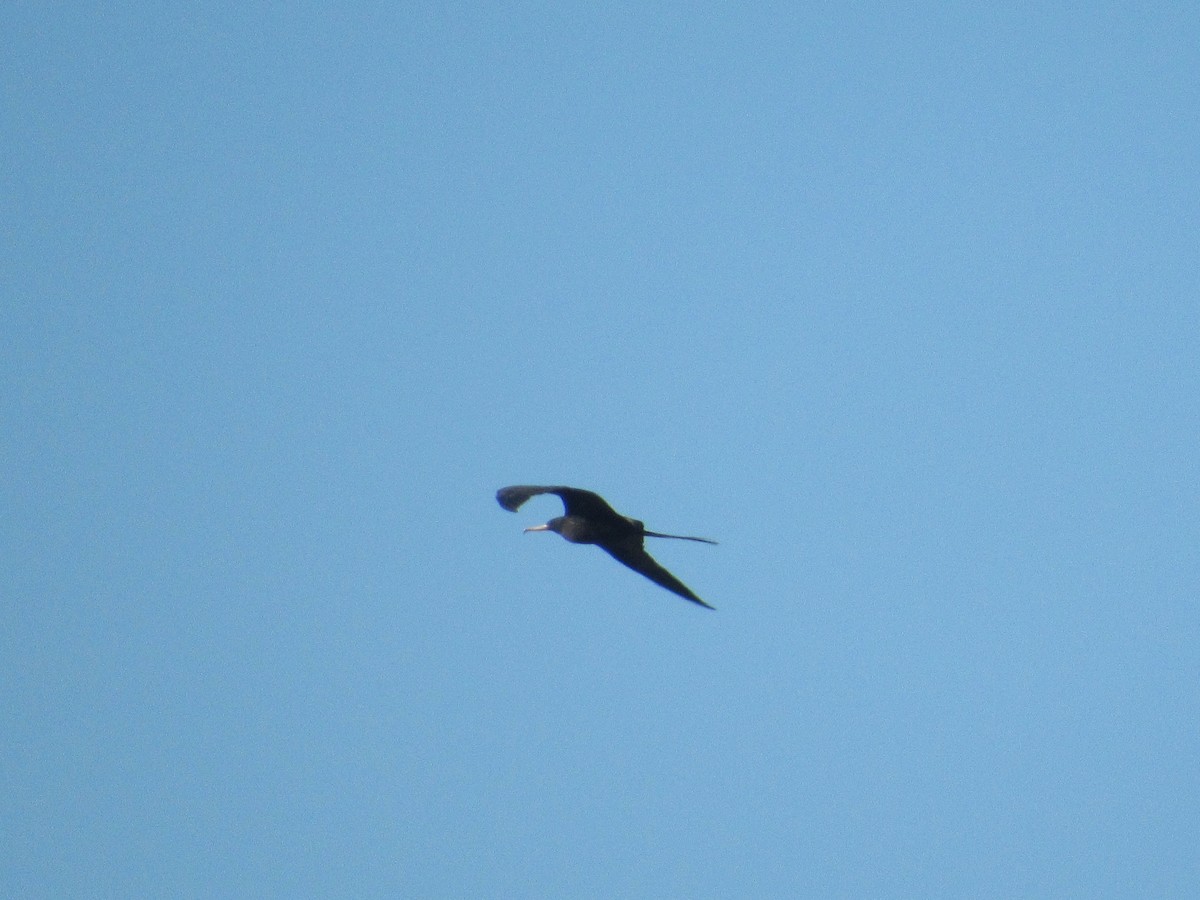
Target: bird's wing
576, 501
633, 554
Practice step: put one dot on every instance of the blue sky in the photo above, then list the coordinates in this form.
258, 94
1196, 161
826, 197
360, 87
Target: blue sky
898, 303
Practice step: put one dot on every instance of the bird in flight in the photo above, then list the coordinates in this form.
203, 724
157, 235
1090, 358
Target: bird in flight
590, 520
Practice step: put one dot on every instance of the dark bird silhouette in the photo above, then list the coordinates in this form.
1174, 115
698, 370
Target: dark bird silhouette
590, 520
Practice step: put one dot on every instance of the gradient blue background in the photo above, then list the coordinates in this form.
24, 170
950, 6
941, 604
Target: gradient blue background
897, 302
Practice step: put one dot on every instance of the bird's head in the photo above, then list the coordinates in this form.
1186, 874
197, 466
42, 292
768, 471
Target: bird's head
554, 524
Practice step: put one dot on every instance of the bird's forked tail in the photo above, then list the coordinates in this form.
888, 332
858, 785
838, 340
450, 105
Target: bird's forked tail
678, 537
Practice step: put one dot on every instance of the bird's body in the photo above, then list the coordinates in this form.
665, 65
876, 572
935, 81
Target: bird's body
590, 520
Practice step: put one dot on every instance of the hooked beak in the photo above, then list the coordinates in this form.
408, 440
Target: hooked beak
538, 528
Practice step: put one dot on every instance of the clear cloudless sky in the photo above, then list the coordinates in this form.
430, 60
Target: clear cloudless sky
898, 302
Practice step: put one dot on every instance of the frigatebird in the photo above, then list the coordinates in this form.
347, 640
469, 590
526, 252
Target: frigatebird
590, 520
